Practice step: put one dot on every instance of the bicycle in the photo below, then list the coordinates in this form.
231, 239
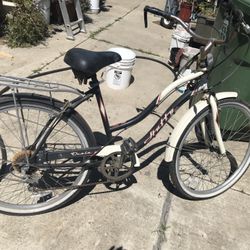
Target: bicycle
48, 150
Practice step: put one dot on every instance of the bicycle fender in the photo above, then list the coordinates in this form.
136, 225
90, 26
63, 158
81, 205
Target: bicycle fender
190, 114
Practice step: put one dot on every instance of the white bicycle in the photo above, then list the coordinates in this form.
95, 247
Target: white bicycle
48, 150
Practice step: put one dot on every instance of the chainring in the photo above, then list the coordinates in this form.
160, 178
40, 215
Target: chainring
117, 166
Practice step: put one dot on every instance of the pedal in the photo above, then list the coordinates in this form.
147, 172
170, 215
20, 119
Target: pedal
129, 146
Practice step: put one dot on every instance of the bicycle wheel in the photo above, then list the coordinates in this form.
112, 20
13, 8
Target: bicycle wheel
25, 189
199, 171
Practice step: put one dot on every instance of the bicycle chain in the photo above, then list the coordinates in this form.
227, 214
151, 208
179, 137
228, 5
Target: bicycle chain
75, 186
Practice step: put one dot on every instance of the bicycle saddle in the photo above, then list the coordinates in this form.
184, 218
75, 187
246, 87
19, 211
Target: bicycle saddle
85, 63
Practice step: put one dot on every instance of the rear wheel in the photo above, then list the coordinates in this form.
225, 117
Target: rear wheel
199, 170
25, 189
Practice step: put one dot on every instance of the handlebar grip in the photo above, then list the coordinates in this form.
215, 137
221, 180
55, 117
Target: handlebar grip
154, 11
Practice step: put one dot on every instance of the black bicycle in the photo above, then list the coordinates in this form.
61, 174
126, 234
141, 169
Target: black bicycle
48, 150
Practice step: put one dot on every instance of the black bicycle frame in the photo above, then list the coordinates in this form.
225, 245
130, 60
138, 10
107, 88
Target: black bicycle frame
92, 151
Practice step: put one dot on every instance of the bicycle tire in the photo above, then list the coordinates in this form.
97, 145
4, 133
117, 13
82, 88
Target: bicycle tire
198, 171
19, 196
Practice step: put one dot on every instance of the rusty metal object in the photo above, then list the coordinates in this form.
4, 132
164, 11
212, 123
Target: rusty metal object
20, 158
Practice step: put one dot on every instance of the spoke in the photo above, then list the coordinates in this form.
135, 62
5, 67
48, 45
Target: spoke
56, 131
13, 192
11, 131
38, 119
23, 127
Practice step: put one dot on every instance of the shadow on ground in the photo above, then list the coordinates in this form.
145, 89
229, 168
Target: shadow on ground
163, 174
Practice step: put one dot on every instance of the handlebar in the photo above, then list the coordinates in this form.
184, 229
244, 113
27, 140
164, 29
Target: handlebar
237, 14
166, 15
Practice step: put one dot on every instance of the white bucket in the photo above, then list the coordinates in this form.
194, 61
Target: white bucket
180, 38
94, 6
44, 7
178, 42
183, 88
188, 53
118, 74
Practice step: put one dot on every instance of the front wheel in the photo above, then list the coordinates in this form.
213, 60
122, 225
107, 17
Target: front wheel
199, 171
25, 188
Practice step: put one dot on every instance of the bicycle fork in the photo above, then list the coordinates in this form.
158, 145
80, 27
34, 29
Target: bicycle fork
216, 125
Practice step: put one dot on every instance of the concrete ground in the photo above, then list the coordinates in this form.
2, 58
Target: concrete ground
146, 215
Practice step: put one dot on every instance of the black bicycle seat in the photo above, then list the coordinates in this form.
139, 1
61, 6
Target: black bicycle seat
89, 62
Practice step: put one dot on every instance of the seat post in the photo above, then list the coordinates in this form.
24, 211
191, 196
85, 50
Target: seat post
101, 106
